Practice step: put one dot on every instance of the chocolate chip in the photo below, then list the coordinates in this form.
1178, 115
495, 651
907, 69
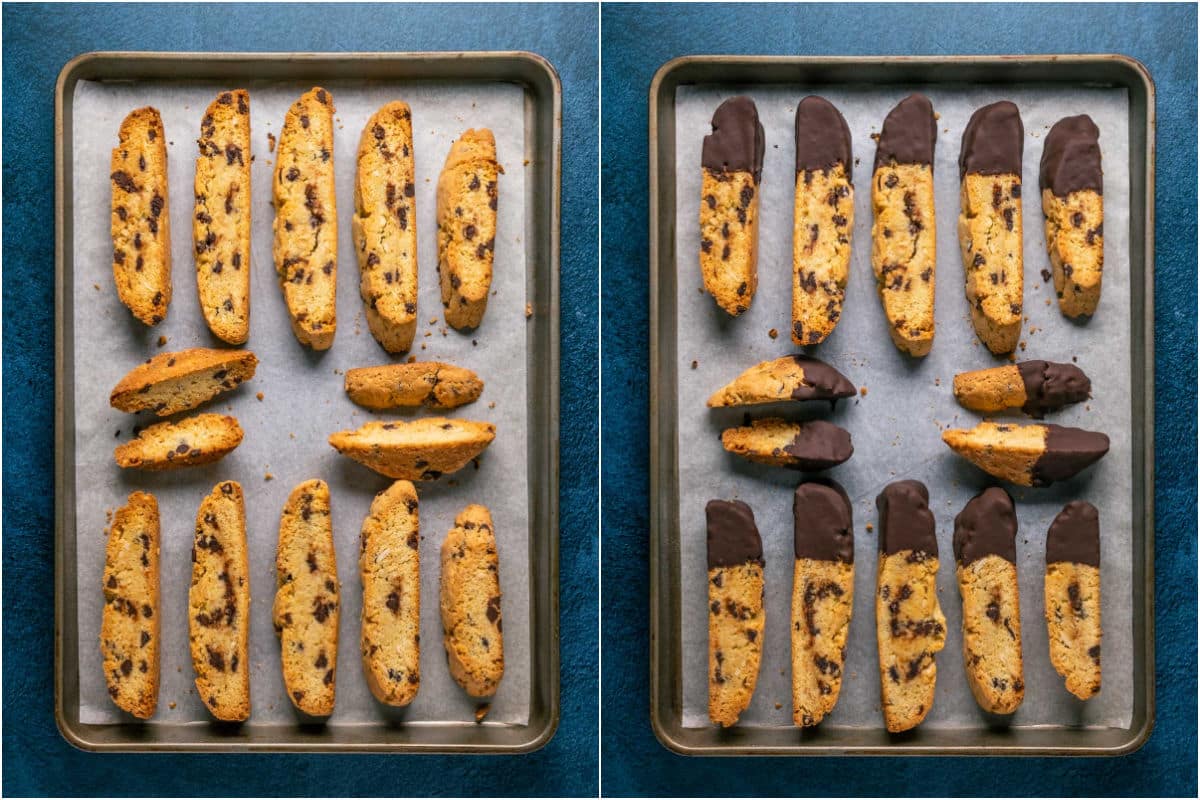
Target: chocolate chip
123, 181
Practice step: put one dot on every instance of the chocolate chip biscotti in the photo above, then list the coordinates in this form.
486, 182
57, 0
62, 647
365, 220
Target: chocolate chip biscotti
467, 199
812, 446
419, 450
129, 625
904, 234
1035, 387
219, 604
989, 225
909, 625
823, 220
736, 612
389, 563
731, 170
1072, 593
305, 225
141, 219
985, 552
822, 597
431, 384
221, 221
1072, 184
172, 382
797, 377
1028, 455
472, 622
307, 608
385, 226
197, 440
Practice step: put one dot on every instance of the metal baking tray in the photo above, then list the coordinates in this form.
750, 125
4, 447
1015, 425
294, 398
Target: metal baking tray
666, 272
542, 153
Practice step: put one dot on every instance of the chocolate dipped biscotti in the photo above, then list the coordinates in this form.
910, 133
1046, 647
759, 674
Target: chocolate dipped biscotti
1028, 455
1072, 184
811, 446
1072, 594
797, 377
1035, 387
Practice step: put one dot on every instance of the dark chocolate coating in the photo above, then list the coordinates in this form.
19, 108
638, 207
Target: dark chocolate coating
1074, 535
821, 381
909, 133
1049, 386
732, 535
822, 137
819, 445
987, 526
993, 141
824, 523
1068, 451
1071, 157
737, 142
905, 521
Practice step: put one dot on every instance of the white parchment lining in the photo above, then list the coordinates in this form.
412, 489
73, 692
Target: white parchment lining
896, 424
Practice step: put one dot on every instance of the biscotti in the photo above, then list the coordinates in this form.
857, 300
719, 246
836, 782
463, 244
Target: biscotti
731, 169
219, 604
307, 603
1028, 455
129, 625
1072, 594
467, 198
797, 377
221, 222
305, 225
985, 554
823, 220
422, 383
418, 450
989, 225
472, 622
172, 382
812, 446
141, 219
1035, 387
904, 233
1072, 184
390, 566
190, 442
385, 226
736, 612
822, 598
909, 625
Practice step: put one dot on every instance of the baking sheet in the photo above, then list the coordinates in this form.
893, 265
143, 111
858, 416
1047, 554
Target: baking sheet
303, 400
896, 424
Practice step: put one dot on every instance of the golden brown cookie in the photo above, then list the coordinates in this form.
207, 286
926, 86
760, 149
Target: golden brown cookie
190, 442
467, 195
1035, 387
141, 219
797, 377
1028, 455
1072, 594
172, 382
470, 603
419, 450
431, 384
1072, 184
736, 613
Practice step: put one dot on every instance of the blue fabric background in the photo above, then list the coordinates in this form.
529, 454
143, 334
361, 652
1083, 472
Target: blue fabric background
38, 41
637, 41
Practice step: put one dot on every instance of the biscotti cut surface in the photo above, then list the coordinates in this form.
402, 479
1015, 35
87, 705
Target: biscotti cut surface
736, 612
141, 219
731, 169
129, 626
1072, 596
797, 377
221, 221
904, 233
306, 219
390, 566
1035, 387
385, 226
431, 384
1072, 184
172, 382
418, 450
472, 621
219, 604
307, 599
823, 220
985, 554
813, 445
1028, 455
190, 442
467, 195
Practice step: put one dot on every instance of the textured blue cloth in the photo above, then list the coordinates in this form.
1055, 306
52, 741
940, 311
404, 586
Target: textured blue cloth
637, 41
38, 41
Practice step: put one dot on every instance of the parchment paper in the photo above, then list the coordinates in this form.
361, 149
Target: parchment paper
896, 424
303, 398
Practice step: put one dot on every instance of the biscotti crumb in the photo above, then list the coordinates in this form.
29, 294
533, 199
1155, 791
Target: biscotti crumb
270, 142
259, 396
474, 343
162, 340
863, 391
1046, 276
1022, 345
482, 709
774, 334
870, 527
528, 311
268, 477
96, 286
492, 404
778, 706
695, 364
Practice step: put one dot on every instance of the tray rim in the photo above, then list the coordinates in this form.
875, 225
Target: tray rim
668, 731
539, 732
